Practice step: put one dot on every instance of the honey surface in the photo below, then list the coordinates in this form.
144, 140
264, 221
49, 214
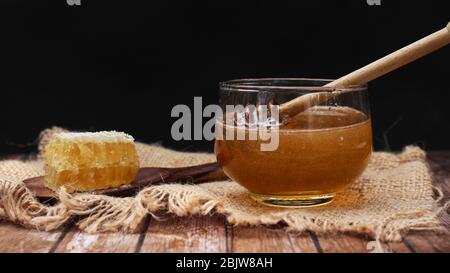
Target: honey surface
320, 151
90, 162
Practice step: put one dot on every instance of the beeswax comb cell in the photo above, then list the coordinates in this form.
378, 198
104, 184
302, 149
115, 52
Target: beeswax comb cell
90, 161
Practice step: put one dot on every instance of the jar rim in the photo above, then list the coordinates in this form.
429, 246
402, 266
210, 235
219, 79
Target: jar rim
262, 84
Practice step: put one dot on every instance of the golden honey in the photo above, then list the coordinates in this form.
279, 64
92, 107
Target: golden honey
320, 152
90, 161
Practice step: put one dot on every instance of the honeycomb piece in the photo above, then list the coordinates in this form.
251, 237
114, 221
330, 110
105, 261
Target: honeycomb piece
90, 161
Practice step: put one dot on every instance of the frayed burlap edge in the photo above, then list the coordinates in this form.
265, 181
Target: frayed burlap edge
96, 213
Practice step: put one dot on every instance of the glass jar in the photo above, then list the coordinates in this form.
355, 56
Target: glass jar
312, 155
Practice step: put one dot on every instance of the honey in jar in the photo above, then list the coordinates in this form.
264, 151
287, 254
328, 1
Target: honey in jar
320, 152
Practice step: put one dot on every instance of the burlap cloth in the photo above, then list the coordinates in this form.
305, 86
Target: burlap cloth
394, 195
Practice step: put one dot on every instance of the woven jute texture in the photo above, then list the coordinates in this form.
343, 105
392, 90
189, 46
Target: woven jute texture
394, 195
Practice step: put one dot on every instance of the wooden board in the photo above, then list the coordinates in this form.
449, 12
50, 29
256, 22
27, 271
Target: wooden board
259, 239
76, 241
186, 234
14, 239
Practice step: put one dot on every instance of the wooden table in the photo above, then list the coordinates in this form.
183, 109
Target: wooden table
212, 234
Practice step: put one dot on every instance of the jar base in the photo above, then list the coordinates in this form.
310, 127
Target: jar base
293, 201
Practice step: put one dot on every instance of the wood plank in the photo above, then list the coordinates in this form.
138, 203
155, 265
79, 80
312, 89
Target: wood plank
186, 235
429, 242
16, 239
77, 241
398, 247
249, 239
347, 243
440, 243
343, 243
303, 243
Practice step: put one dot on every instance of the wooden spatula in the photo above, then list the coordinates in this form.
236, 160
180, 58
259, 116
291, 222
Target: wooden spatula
145, 177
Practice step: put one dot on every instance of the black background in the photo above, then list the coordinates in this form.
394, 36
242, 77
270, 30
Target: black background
123, 65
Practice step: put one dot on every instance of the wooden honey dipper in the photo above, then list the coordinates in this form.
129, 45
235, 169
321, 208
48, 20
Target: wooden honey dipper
370, 72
